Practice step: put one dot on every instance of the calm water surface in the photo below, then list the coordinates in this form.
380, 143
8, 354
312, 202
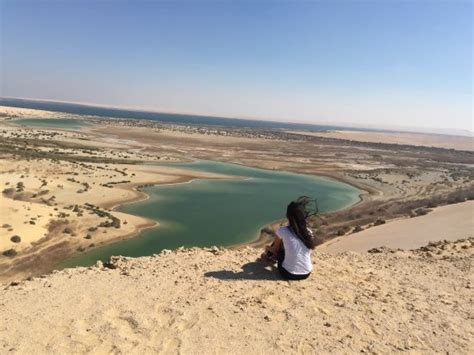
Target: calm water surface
51, 122
81, 109
218, 212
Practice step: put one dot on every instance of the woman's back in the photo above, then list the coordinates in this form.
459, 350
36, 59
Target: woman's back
297, 255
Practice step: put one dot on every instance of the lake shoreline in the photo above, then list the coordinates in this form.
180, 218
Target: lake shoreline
45, 254
143, 196
140, 197
390, 188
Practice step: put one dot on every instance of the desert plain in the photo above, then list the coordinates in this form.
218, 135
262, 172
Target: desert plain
61, 188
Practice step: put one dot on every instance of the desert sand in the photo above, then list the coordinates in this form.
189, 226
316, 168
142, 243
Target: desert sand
72, 179
217, 301
60, 189
17, 112
417, 139
53, 209
450, 222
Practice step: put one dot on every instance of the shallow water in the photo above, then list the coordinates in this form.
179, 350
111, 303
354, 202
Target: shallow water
51, 122
81, 109
219, 212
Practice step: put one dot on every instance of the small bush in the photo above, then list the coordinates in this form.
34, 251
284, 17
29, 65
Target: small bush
8, 191
379, 222
16, 239
422, 211
10, 253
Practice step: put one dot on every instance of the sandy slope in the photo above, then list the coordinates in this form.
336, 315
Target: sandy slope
449, 222
418, 139
221, 301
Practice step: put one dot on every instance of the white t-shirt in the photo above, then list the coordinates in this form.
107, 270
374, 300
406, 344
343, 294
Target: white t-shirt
297, 255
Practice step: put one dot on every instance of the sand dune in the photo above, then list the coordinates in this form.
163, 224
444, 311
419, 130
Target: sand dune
449, 222
417, 139
221, 301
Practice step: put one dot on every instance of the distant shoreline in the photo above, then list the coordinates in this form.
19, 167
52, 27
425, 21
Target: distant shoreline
202, 119
396, 181
180, 118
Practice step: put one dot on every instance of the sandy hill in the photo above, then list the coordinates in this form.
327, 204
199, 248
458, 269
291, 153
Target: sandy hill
222, 301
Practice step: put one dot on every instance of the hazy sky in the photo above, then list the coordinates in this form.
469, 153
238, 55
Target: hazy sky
404, 63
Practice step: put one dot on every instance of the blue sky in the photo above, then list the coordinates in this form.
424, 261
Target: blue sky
399, 63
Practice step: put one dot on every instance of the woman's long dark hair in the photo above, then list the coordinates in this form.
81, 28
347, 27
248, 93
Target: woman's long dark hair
297, 213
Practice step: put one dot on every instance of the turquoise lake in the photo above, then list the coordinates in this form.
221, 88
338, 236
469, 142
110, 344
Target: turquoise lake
218, 212
51, 122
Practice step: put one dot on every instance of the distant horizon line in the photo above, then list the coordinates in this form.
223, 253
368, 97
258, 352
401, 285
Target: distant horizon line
392, 128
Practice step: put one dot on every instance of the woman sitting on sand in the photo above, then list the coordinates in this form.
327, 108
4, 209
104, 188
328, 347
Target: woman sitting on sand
293, 243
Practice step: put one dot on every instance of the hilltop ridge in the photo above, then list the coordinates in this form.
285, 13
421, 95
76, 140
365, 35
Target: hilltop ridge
220, 301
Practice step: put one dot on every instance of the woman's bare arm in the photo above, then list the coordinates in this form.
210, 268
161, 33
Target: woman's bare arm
274, 248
